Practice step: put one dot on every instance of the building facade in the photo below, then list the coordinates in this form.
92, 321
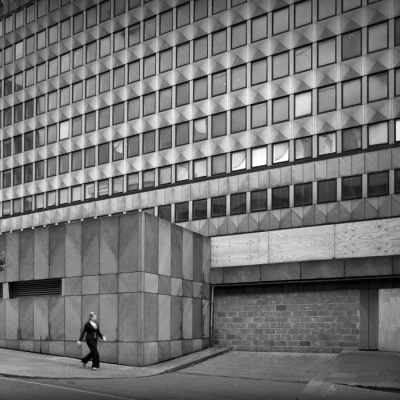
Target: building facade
270, 126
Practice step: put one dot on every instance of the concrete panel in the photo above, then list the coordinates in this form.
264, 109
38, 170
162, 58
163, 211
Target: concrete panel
108, 352
150, 317
57, 251
150, 283
187, 318
26, 254
57, 348
73, 308
2, 319
242, 274
12, 319
73, 249
164, 351
109, 316
109, 245
187, 257
176, 251
164, 285
26, 318
90, 284
56, 318
164, 248
90, 247
389, 319
164, 317
129, 282
150, 353
90, 303
2, 251
322, 269
41, 318
41, 253
197, 318
129, 317
368, 266
280, 272
72, 286
151, 244
12, 251
72, 350
128, 353
197, 258
108, 283
129, 243
176, 317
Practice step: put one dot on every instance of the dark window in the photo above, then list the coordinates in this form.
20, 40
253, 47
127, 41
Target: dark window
351, 138
280, 21
397, 32
303, 148
164, 212
302, 59
259, 115
238, 203
182, 212
218, 164
199, 209
218, 206
303, 194
351, 187
258, 71
327, 191
200, 9
378, 37
327, 98
148, 142
165, 138
182, 134
133, 146
378, 184
397, 181
303, 13
238, 35
351, 45
103, 156
378, 86
351, 93
183, 15
258, 200
238, 120
280, 197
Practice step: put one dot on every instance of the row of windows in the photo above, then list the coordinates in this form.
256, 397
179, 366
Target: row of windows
282, 109
300, 58
301, 195
277, 153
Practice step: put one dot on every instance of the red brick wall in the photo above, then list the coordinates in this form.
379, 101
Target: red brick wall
298, 321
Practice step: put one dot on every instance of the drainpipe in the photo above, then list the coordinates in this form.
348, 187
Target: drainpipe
212, 316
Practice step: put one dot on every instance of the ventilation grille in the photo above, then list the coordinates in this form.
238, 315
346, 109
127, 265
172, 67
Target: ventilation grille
39, 287
1, 291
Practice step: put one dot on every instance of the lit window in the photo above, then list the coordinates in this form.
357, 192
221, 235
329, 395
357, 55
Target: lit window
64, 130
90, 191
200, 129
280, 152
378, 134
258, 157
238, 160
76, 194
302, 104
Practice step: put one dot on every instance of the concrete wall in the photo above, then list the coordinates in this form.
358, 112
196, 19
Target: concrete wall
147, 279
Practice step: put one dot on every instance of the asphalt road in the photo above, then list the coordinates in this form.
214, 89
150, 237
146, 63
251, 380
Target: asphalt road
173, 386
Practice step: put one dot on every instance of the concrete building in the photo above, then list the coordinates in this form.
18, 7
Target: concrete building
270, 127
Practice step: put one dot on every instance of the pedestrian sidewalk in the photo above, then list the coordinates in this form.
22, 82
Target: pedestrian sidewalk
22, 364
357, 375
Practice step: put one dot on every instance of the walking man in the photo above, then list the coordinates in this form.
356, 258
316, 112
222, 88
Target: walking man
92, 331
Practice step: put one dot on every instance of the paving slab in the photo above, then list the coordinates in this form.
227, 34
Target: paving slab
22, 364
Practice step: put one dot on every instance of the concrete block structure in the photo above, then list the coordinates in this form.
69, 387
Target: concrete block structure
147, 279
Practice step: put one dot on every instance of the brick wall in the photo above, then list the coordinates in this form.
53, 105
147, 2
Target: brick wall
266, 319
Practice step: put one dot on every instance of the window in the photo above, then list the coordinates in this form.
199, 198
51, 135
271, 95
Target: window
218, 206
91, 52
118, 114
165, 138
218, 164
280, 197
239, 78
397, 32
104, 117
378, 86
200, 48
133, 146
91, 17
302, 104
53, 67
218, 6
134, 34
149, 142
280, 152
7, 115
327, 143
238, 203
119, 40
200, 9
41, 72
65, 28
64, 130
103, 153
149, 28
200, 89
258, 157
182, 94
63, 166
78, 23
200, 129
7, 146
51, 166
30, 45
377, 37
397, 82
238, 160
51, 133
182, 171
182, 134
397, 133
77, 92
29, 77
303, 13
90, 87
39, 137
351, 93
165, 61
6, 207
148, 178
350, 4
18, 144
164, 212
7, 178
326, 98
303, 148
280, 21
76, 160
133, 108
397, 181
103, 188
259, 28
64, 96
183, 54
280, 110
280, 65
303, 194
40, 40
378, 184
165, 99
53, 34
77, 126
165, 175
200, 168
28, 141
326, 9
378, 134
182, 212
258, 200
238, 35
199, 209
65, 62
183, 15
119, 7
166, 20
327, 191
219, 42
28, 203
90, 122
134, 71
238, 119
351, 138
351, 45
76, 194
219, 83
218, 124
118, 150
77, 57
90, 191
258, 71
149, 104
302, 59
19, 50
351, 187
149, 66
105, 10
18, 113
105, 46
8, 86
259, 115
